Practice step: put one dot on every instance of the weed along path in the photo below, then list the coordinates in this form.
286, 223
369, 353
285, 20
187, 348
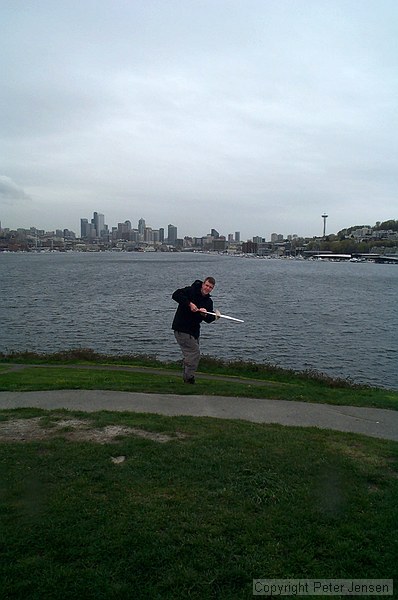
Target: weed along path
374, 422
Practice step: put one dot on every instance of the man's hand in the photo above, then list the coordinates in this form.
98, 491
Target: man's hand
193, 307
218, 314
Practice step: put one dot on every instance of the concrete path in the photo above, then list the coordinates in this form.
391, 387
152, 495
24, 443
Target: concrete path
373, 422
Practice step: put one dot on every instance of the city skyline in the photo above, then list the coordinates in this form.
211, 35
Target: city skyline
266, 114
77, 228
97, 224
96, 228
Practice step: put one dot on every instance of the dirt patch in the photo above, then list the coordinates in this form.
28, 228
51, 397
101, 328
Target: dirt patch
78, 430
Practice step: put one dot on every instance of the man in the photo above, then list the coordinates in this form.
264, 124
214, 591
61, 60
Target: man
194, 302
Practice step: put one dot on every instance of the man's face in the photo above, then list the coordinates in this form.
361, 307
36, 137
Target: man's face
207, 287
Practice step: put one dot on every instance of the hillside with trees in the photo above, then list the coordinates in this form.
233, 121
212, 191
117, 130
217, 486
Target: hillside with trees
381, 237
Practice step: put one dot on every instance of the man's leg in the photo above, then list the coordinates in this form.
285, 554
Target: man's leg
191, 353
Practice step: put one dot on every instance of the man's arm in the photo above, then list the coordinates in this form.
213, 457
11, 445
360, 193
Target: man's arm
183, 296
209, 308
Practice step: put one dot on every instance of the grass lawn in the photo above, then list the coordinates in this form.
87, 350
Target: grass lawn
124, 505
242, 383
198, 516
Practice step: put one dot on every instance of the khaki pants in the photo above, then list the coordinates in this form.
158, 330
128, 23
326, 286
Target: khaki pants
190, 351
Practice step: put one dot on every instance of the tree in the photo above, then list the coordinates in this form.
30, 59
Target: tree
385, 225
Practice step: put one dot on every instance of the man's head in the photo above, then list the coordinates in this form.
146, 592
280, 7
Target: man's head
208, 285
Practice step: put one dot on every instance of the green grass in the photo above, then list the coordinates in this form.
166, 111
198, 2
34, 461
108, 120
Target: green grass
198, 517
243, 384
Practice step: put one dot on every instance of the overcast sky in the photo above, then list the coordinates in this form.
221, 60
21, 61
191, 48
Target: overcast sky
240, 115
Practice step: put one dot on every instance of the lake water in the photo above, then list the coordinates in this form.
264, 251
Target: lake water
337, 318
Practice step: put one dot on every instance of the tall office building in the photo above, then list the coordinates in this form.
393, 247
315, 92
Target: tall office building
98, 221
123, 230
161, 234
141, 227
148, 234
237, 236
172, 234
84, 229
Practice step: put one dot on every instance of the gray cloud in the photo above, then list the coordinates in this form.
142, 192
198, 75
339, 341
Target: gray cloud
243, 115
10, 192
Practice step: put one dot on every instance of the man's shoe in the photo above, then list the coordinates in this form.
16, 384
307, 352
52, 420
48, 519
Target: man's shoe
190, 380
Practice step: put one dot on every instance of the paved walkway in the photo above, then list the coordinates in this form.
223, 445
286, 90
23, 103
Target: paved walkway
373, 422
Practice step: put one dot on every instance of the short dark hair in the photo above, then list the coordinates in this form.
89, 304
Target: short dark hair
211, 280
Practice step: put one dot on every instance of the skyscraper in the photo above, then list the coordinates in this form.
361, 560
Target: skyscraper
84, 229
98, 221
172, 234
148, 234
141, 226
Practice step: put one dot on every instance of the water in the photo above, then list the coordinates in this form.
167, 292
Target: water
337, 318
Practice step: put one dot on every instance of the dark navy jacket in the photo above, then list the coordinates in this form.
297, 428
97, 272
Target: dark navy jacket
185, 320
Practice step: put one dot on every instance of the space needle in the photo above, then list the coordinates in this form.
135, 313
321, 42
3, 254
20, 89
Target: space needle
324, 217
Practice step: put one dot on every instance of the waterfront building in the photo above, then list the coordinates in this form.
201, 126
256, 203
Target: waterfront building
219, 244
